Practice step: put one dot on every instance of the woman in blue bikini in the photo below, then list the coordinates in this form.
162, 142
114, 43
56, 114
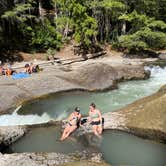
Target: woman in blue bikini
72, 124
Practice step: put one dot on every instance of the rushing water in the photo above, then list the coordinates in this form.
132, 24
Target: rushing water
118, 148
58, 106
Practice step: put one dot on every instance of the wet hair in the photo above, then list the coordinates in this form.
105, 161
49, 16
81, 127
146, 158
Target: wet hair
77, 109
93, 105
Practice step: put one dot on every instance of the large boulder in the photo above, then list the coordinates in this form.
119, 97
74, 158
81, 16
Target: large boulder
145, 117
86, 76
9, 134
102, 76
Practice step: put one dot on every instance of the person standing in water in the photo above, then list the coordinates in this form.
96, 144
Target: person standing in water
95, 119
72, 124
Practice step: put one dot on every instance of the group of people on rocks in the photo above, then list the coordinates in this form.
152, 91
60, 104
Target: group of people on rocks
74, 121
6, 70
28, 68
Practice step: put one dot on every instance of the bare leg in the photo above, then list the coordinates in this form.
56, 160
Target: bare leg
68, 132
100, 129
95, 130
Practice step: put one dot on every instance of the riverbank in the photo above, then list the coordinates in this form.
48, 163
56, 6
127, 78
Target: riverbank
145, 117
93, 75
82, 75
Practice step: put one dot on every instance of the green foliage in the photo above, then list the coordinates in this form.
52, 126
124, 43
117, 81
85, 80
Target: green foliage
154, 39
84, 31
145, 33
130, 42
19, 13
76, 16
142, 40
129, 24
138, 21
45, 36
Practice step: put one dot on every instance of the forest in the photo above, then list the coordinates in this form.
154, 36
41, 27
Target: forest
126, 25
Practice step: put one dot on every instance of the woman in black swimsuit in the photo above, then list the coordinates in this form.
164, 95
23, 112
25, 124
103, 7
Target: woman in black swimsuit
73, 121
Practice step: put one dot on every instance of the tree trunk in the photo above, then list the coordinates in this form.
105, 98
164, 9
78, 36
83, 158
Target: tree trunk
123, 28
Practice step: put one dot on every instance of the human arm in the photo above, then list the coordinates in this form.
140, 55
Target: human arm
100, 116
89, 118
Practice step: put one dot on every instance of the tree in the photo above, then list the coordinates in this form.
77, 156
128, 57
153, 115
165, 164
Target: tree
144, 33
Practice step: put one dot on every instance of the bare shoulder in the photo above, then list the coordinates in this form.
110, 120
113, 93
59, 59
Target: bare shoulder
79, 115
98, 111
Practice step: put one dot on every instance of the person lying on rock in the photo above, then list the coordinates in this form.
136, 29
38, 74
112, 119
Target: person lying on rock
95, 119
9, 71
27, 69
72, 124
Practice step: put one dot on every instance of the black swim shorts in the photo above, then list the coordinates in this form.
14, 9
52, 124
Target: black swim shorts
95, 122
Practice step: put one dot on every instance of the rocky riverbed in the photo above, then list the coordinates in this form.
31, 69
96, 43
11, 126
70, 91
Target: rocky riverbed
140, 118
51, 159
145, 117
91, 75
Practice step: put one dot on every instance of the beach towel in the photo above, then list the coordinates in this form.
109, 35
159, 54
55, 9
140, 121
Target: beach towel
20, 75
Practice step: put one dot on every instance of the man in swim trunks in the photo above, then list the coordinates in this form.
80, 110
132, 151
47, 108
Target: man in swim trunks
72, 124
95, 119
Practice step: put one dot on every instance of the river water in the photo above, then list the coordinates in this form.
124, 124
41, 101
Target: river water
118, 148
60, 105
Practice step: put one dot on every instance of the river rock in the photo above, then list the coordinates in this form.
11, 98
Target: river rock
102, 76
9, 134
83, 76
145, 117
46, 159
162, 56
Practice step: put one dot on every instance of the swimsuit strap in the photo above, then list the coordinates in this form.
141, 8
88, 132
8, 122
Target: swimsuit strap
94, 115
75, 118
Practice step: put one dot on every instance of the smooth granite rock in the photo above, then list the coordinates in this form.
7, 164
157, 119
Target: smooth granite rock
92, 76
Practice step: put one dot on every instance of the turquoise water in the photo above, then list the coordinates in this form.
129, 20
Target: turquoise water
118, 148
59, 106
46, 140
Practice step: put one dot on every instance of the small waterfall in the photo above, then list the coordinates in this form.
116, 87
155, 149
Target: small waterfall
15, 119
59, 108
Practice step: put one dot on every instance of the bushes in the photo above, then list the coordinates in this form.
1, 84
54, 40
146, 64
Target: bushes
145, 33
142, 40
45, 36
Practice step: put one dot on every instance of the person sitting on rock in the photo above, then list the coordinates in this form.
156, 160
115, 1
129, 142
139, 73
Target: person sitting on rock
2, 70
34, 68
9, 71
95, 119
27, 69
72, 124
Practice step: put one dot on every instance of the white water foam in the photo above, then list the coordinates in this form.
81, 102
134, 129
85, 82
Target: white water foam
15, 119
132, 89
